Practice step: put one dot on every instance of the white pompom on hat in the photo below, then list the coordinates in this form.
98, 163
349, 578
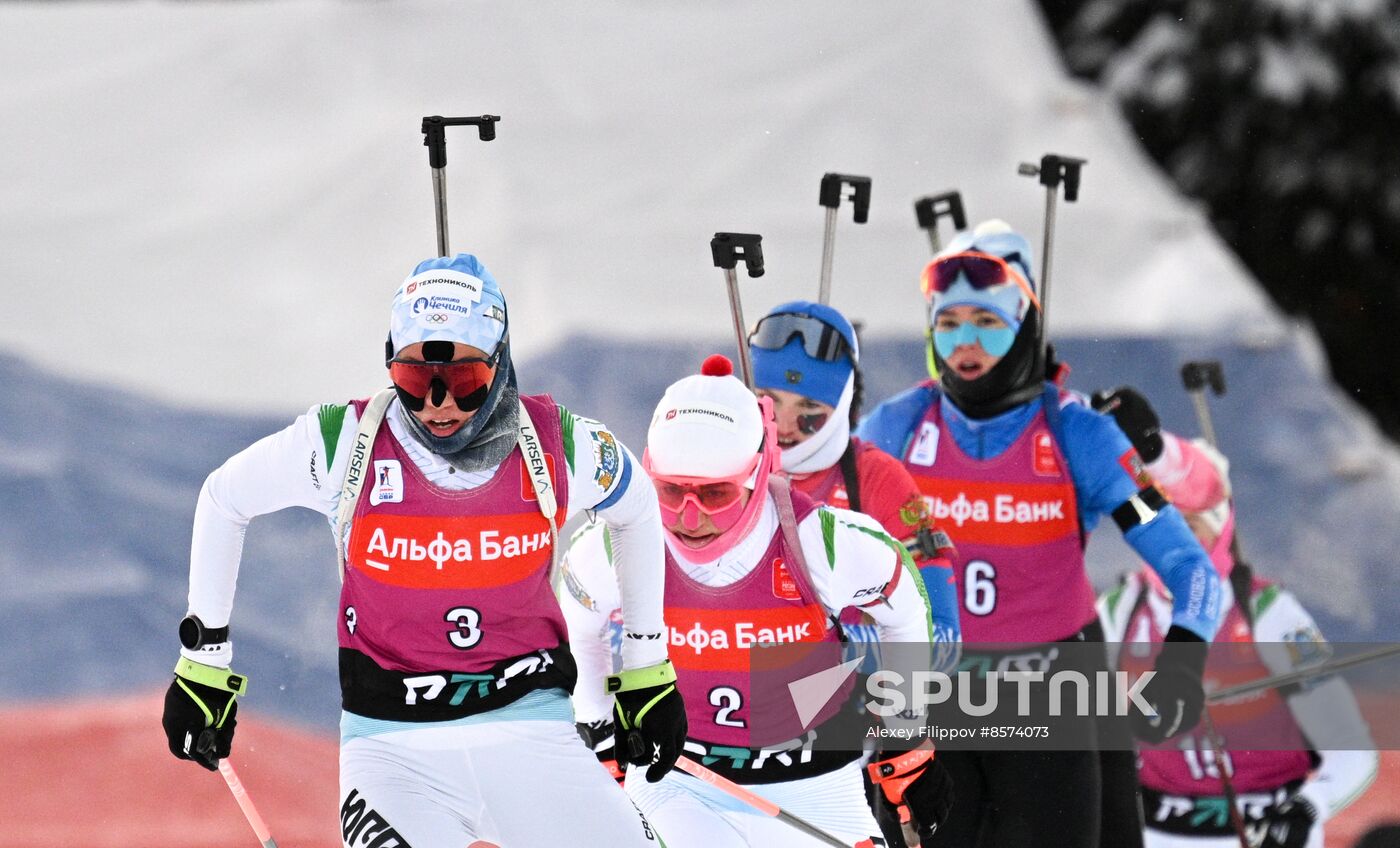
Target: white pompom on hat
708, 425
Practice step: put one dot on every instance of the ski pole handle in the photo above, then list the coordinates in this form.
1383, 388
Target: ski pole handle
1207, 372
830, 197
1053, 171
435, 134
435, 139
727, 249
1196, 377
246, 804
763, 805
928, 210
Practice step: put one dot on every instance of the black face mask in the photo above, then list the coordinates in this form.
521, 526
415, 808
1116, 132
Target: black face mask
1017, 378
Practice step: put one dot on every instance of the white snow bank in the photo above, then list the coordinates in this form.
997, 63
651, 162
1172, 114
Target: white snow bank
214, 201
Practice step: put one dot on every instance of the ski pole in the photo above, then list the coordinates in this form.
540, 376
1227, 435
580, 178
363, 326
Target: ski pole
246, 804
435, 139
763, 805
1052, 171
928, 210
1196, 376
1226, 769
830, 197
1288, 678
727, 249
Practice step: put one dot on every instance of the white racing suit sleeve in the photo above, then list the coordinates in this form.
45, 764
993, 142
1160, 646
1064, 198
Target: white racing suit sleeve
301, 465
1115, 609
588, 595
1325, 708
606, 478
852, 561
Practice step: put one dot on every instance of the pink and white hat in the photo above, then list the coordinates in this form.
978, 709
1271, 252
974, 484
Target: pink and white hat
710, 427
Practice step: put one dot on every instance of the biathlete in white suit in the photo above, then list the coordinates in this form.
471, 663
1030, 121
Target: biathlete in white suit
749, 560
444, 497
1321, 756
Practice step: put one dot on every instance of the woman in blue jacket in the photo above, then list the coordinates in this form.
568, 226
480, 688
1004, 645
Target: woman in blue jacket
1019, 472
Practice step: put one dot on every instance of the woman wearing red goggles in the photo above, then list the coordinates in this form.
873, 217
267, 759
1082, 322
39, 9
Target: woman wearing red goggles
446, 494
444, 383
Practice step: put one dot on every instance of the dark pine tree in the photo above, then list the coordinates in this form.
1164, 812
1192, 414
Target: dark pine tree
1283, 117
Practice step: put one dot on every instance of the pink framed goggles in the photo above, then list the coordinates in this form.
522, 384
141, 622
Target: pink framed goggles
710, 495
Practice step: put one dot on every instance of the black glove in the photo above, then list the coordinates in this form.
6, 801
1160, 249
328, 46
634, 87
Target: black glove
1175, 691
200, 710
1290, 824
913, 785
1136, 418
650, 717
598, 736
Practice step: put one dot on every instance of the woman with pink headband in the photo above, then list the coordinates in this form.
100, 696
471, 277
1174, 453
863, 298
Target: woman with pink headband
749, 560
1321, 758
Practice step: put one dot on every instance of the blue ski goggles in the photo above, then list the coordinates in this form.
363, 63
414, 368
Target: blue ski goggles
820, 340
996, 341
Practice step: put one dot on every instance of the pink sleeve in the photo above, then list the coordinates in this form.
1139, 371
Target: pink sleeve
1189, 478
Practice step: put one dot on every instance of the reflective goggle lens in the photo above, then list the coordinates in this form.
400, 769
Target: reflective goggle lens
467, 380
709, 497
820, 340
981, 270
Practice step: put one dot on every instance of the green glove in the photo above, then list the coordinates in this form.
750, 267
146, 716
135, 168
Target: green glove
650, 717
200, 709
